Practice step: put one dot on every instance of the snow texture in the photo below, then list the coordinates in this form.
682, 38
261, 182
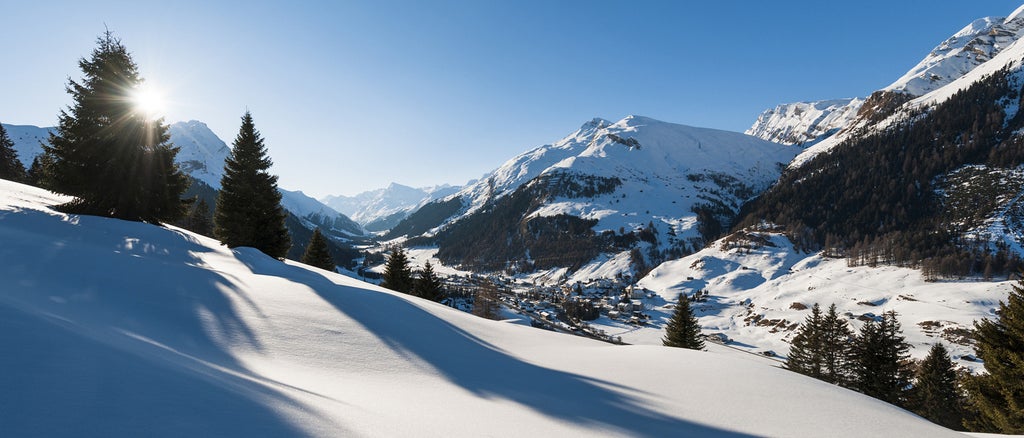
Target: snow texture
373, 205
805, 122
114, 328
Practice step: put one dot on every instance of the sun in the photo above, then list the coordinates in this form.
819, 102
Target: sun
148, 100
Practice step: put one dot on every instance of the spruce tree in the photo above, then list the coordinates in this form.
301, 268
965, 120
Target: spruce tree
397, 274
805, 351
10, 168
317, 254
997, 398
36, 174
427, 285
249, 209
936, 395
683, 331
881, 368
113, 157
835, 347
198, 219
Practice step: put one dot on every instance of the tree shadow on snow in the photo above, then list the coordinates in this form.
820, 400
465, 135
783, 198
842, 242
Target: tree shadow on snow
484, 369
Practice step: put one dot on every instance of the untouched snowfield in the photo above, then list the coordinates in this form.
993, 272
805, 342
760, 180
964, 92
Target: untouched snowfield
112, 328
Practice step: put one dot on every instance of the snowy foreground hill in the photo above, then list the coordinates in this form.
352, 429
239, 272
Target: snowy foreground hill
114, 328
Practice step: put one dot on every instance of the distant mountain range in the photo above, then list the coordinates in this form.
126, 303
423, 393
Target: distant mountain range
382, 209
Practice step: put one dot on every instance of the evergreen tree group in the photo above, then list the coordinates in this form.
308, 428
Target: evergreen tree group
936, 394
249, 209
487, 302
427, 285
10, 168
683, 331
821, 346
881, 366
198, 218
107, 153
397, 273
317, 254
997, 398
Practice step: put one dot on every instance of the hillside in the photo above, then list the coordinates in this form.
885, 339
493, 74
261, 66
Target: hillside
159, 330
608, 188
381, 209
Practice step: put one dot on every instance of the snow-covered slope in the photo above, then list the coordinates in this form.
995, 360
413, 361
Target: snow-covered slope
804, 122
760, 288
28, 141
395, 201
201, 153
114, 328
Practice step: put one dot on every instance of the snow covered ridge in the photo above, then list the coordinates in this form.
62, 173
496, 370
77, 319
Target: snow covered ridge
389, 204
805, 122
119, 327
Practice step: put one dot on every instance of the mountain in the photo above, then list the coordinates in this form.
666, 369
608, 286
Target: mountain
28, 141
812, 122
608, 188
804, 123
319, 215
381, 209
201, 153
113, 327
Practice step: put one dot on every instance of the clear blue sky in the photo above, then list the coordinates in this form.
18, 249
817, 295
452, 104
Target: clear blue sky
353, 95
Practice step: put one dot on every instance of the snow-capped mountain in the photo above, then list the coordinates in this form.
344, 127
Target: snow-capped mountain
201, 153
318, 214
828, 123
638, 182
116, 327
379, 210
805, 122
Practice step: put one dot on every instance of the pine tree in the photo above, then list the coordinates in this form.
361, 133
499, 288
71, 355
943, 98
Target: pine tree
427, 285
835, 347
317, 254
36, 174
113, 157
397, 274
805, 351
683, 331
249, 209
881, 368
936, 395
997, 398
198, 219
10, 168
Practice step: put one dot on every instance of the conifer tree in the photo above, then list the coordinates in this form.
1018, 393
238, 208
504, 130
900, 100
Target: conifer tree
936, 395
397, 274
317, 254
997, 398
427, 285
805, 351
881, 368
198, 219
10, 168
249, 209
683, 331
836, 347
108, 153
36, 174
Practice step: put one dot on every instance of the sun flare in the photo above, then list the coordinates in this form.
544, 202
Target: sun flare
148, 100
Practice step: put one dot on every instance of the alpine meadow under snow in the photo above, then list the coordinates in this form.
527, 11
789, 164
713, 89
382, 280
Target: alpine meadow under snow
118, 328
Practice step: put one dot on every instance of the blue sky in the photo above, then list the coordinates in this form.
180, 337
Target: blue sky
354, 95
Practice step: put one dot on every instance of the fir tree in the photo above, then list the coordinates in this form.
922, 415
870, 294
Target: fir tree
10, 168
249, 209
397, 274
683, 331
36, 174
427, 285
997, 398
805, 351
881, 368
199, 218
317, 254
835, 347
935, 394
112, 156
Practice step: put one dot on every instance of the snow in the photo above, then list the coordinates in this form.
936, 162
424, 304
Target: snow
28, 141
201, 152
114, 328
805, 122
372, 205
761, 284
